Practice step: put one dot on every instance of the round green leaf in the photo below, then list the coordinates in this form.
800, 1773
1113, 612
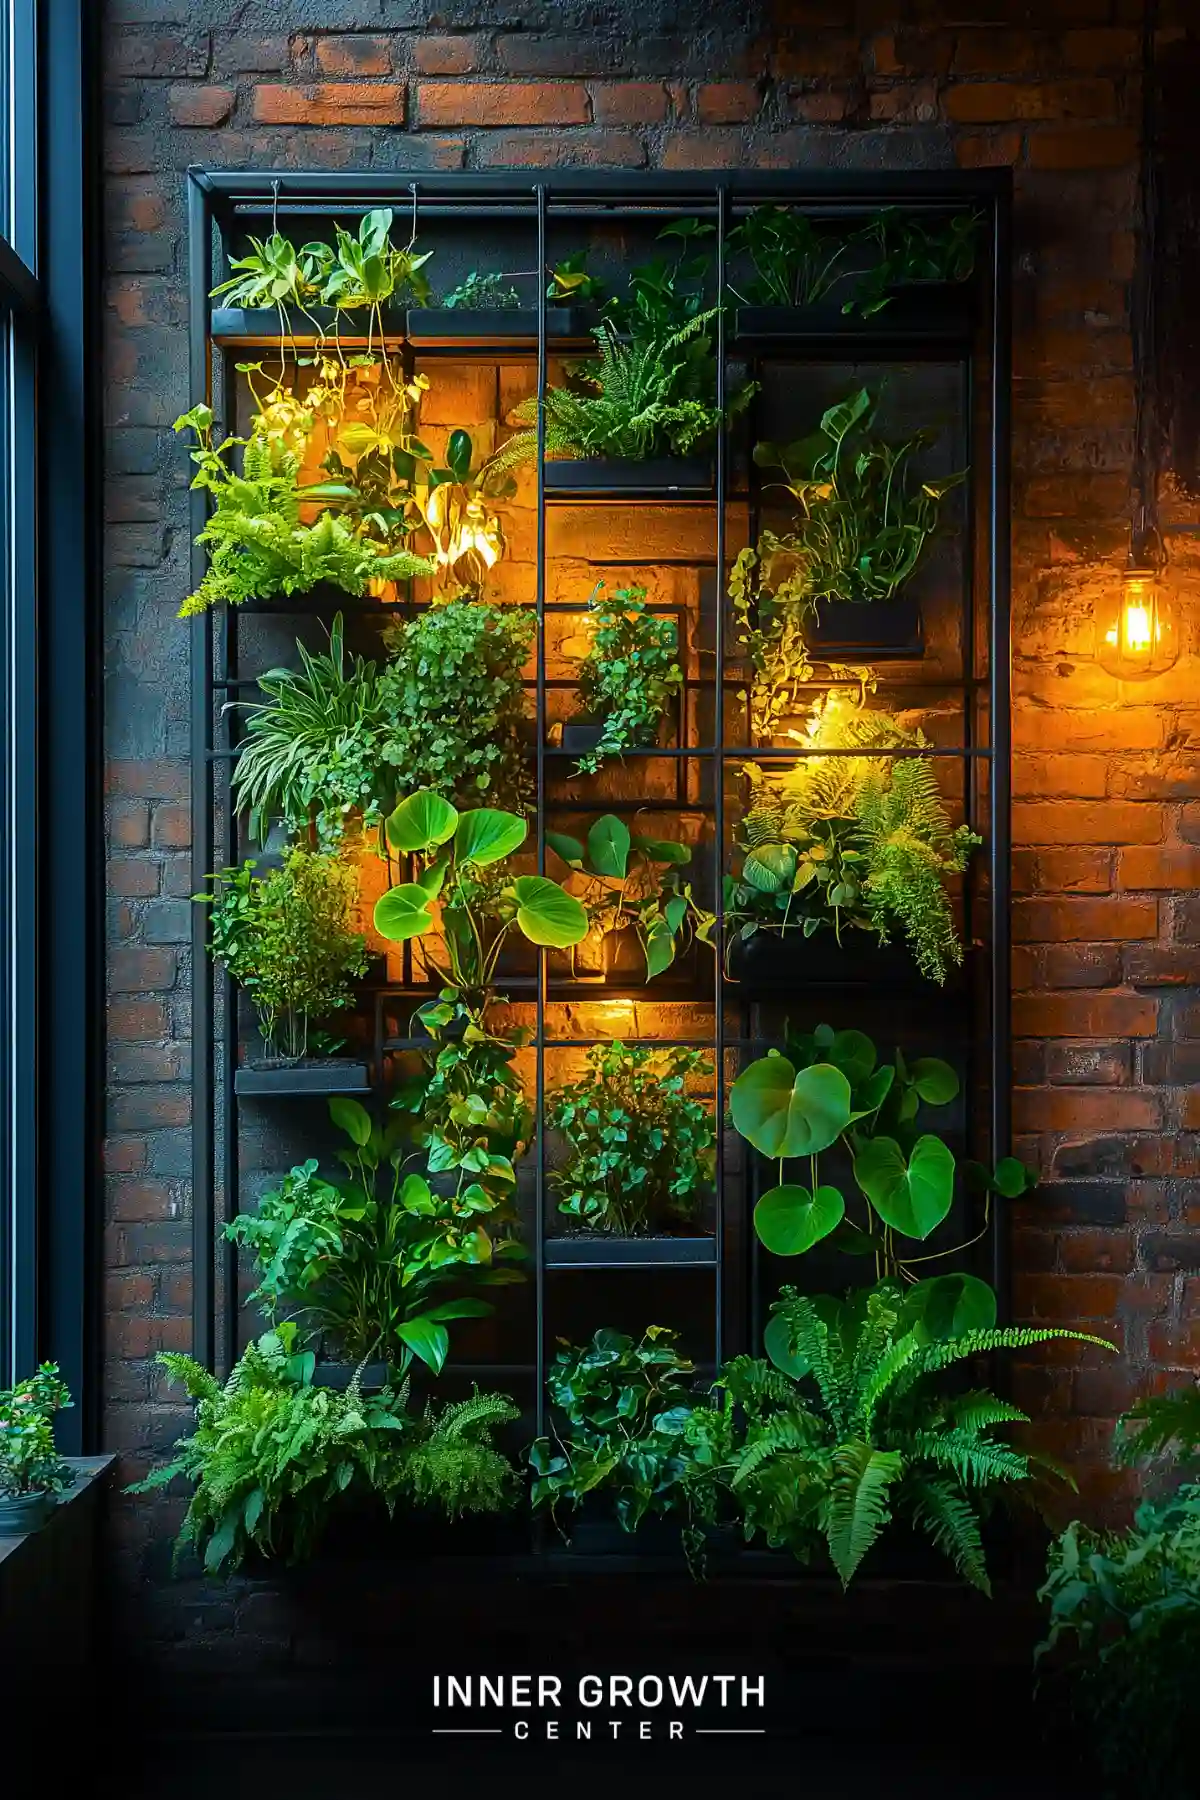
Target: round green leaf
854, 1054
403, 912
819, 1111
569, 848
759, 1101
777, 1344
1012, 1178
608, 847
789, 1220
770, 868
934, 1080
948, 1306
546, 915
488, 836
420, 821
912, 1197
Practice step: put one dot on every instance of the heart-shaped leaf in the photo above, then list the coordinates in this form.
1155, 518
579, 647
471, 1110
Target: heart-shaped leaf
770, 868
934, 1080
403, 912
663, 850
948, 1306
789, 1220
1012, 1178
421, 821
783, 1113
488, 836
854, 1054
777, 1344
569, 848
608, 847
912, 1196
546, 915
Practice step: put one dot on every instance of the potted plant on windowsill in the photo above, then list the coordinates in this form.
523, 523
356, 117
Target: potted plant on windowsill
32, 1473
287, 938
840, 856
842, 569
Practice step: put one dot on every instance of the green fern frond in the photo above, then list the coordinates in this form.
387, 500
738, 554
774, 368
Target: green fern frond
948, 1518
979, 1409
1158, 1422
974, 1343
859, 1506
975, 1460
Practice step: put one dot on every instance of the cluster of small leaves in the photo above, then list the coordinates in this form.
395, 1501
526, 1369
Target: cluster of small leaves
311, 756
857, 842
630, 676
1124, 1617
272, 1456
570, 282
865, 517
831, 1090
288, 939
768, 590
483, 293
852, 1428
636, 882
258, 547
452, 704
641, 1149
362, 1260
624, 1406
29, 1459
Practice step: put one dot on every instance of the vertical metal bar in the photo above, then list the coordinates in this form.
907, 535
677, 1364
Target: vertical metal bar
718, 781
539, 1245
200, 383
225, 1255
1000, 699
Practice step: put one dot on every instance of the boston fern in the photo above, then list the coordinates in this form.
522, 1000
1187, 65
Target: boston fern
853, 1428
258, 546
860, 842
272, 1455
630, 675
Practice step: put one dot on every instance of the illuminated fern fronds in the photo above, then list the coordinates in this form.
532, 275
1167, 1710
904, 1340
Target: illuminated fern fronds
1160, 1422
949, 1520
859, 1506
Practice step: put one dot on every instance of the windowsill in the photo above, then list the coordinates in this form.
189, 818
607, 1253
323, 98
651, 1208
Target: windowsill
90, 1473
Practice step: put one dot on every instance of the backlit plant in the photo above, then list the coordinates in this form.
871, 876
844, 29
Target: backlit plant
850, 843
830, 1093
630, 676
641, 1146
636, 883
288, 939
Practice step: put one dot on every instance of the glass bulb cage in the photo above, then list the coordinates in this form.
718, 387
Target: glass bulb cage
1136, 628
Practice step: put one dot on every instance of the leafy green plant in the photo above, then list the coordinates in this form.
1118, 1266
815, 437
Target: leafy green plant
258, 547
1123, 1632
624, 1407
831, 1090
463, 888
853, 1428
362, 1260
275, 273
455, 504
484, 293
865, 518
636, 883
795, 260
850, 842
642, 1150
910, 250
630, 676
287, 937
570, 283
466, 1103
272, 1456
638, 398
666, 295
311, 753
368, 270
453, 703
29, 1459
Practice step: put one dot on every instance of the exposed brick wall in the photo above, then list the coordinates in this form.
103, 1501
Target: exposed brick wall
1107, 784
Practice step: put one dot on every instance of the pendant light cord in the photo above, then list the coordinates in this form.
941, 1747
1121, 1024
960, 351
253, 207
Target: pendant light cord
1145, 541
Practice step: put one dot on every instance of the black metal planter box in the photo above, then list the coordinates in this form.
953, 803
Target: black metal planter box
657, 478
313, 1075
882, 631
470, 326
783, 962
917, 311
255, 325
612, 1252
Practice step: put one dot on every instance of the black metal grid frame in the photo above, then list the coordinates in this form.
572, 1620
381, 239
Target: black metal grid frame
223, 203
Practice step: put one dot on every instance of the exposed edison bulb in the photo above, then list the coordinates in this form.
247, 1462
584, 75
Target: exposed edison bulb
1136, 630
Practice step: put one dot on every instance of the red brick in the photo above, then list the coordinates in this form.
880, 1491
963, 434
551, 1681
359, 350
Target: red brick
1066, 1299
1059, 777
128, 1290
141, 971
1082, 965
354, 53
201, 106
1085, 1015
151, 779
1175, 1345
331, 103
820, 108
501, 103
988, 149
1061, 921
134, 1021
1093, 1065
130, 1202
133, 879
986, 51
459, 55
1074, 495
140, 1336
1074, 871
1082, 822
994, 102
1097, 147
1097, 1252
629, 103
1168, 965
1102, 48
1172, 777
171, 828
712, 149
129, 824
124, 1156
1084, 1109
574, 149
1158, 866
727, 102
